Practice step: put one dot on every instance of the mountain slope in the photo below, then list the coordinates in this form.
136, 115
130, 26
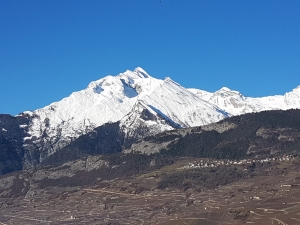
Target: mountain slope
12, 133
255, 135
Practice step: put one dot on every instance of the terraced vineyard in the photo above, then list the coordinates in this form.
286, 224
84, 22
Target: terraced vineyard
268, 194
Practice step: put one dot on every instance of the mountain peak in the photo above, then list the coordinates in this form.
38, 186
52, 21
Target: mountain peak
295, 93
142, 73
297, 88
224, 89
137, 73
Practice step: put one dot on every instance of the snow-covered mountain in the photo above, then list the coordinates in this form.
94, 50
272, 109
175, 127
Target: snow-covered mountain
234, 103
142, 104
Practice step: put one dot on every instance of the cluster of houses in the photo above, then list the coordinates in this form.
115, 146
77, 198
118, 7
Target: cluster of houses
204, 163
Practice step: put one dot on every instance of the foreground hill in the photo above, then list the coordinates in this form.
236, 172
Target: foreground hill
268, 133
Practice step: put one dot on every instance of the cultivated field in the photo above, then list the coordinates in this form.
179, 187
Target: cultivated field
272, 196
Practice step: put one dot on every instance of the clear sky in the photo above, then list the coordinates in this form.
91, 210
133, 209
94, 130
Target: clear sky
51, 48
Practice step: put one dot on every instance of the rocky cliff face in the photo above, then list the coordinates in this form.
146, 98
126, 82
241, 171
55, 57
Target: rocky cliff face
12, 134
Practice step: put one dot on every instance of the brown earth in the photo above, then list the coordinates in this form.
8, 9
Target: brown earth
272, 196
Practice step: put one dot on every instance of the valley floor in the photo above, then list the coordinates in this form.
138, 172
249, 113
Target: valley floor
267, 198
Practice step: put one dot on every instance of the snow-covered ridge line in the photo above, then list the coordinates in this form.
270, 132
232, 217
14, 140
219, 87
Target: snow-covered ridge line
141, 101
235, 103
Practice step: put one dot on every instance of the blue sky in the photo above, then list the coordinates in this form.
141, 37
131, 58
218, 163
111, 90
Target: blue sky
51, 48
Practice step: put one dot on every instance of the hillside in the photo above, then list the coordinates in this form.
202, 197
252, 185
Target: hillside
269, 133
244, 169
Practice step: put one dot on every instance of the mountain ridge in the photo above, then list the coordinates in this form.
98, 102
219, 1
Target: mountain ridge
141, 104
